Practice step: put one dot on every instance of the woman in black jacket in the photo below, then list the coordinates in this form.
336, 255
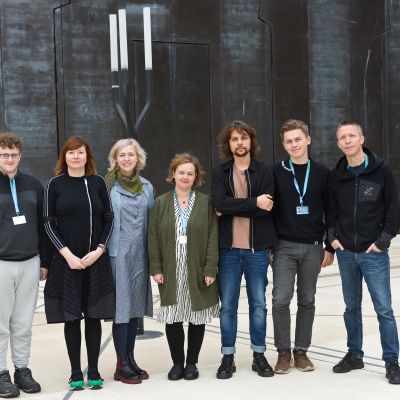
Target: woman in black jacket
78, 220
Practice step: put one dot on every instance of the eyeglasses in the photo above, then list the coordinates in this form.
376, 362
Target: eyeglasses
6, 156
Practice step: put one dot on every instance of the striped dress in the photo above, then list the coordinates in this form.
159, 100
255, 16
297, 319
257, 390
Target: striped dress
182, 310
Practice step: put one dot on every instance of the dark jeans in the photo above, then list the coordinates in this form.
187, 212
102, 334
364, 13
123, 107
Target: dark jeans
291, 259
176, 339
375, 269
233, 264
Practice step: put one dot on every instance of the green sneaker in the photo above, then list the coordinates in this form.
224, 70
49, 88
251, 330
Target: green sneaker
95, 381
76, 382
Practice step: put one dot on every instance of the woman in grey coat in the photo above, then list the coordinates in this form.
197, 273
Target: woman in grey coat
131, 198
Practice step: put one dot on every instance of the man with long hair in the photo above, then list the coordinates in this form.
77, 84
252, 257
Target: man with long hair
242, 190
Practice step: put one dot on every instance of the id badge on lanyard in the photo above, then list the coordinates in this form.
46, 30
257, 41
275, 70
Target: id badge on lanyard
301, 209
18, 219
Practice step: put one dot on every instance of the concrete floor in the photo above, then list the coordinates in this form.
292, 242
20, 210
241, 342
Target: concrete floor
50, 366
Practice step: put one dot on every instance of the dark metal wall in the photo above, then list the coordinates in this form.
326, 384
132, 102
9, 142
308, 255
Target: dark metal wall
260, 60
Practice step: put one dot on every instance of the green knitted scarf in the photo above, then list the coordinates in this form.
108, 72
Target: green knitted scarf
132, 183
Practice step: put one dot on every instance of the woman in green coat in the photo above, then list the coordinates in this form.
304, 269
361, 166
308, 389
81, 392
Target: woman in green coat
183, 253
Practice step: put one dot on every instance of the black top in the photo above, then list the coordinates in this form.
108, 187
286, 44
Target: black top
307, 228
364, 208
260, 181
78, 213
22, 242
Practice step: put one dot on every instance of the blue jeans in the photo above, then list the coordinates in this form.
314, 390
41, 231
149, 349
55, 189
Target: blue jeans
375, 269
233, 264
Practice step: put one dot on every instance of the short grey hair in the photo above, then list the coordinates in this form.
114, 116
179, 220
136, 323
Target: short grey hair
118, 146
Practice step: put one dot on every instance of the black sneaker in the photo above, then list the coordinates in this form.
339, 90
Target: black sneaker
227, 367
7, 388
348, 363
261, 366
23, 379
393, 372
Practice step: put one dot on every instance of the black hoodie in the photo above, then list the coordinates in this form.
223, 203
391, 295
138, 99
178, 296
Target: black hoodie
364, 209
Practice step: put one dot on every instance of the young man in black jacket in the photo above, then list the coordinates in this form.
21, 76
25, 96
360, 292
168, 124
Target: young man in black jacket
242, 191
301, 203
23, 252
365, 217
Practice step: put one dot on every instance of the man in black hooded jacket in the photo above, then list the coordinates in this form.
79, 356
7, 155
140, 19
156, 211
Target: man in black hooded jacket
365, 216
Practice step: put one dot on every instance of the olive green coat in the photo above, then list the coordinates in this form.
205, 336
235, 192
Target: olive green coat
202, 249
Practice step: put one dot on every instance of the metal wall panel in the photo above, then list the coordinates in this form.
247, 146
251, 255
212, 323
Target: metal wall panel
391, 73
27, 81
262, 60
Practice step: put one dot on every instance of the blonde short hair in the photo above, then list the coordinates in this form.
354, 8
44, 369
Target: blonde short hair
118, 146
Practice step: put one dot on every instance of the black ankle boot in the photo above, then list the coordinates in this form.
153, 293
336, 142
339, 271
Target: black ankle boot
139, 371
261, 366
125, 373
227, 367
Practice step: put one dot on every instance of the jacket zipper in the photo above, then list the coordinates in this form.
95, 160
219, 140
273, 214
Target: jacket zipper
233, 194
251, 219
355, 213
90, 212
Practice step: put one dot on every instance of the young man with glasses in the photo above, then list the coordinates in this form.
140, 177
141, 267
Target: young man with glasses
23, 257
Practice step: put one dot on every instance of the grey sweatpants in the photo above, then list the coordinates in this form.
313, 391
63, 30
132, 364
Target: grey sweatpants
18, 296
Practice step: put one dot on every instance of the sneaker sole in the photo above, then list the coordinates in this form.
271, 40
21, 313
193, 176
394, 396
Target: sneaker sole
307, 369
96, 387
77, 389
281, 371
347, 370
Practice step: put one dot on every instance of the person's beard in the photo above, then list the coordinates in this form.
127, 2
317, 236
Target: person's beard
242, 153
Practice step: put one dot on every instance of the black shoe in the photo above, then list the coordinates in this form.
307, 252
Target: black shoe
7, 388
393, 372
175, 373
261, 366
23, 379
348, 363
190, 372
139, 371
227, 367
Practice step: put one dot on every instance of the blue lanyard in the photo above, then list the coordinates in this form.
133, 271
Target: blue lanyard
184, 215
14, 195
296, 185
365, 162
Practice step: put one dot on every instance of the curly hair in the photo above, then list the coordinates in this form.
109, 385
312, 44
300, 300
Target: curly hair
8, 139
241, 127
